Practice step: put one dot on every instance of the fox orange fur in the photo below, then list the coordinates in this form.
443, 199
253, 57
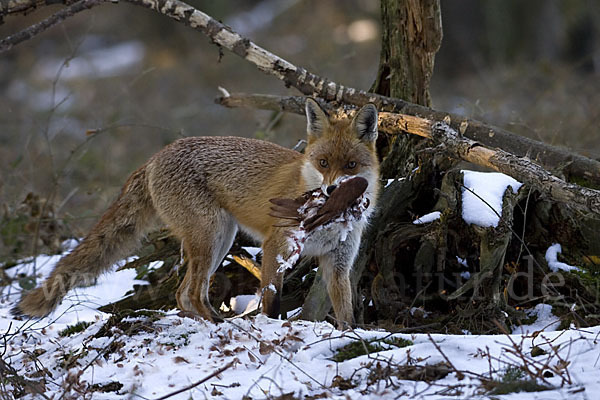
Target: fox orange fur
206, 188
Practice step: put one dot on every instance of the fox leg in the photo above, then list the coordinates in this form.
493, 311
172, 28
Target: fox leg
206, 244
271, 282
336, 266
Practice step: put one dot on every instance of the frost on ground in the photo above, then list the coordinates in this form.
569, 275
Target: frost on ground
154, 354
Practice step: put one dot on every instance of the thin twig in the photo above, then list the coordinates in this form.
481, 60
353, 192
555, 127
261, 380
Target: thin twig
278, 353
35, 29
201, 381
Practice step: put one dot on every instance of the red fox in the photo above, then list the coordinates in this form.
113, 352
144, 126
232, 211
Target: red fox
206, 188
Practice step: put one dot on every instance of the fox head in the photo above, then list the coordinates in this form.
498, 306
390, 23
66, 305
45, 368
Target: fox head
339, 149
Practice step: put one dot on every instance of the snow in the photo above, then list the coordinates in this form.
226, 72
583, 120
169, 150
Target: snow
484, 207
81, 303
390, 181
545, 320
552, 259
427, 218
253, 251
269, 357
244, 303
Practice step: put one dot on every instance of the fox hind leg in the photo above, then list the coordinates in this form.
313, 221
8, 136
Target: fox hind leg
271, 278
205, 243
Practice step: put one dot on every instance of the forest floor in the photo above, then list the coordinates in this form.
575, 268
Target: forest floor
79, 352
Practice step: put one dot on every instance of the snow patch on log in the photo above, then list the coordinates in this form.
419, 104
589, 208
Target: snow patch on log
552, 259
427, 218
482, 196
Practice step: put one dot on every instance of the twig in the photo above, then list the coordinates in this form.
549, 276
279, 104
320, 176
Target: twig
278, 353
459, 374
201, 381
35, 29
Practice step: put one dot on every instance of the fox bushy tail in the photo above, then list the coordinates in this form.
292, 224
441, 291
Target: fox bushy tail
114, 237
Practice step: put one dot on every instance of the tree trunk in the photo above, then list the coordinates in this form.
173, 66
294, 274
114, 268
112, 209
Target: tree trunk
411, 35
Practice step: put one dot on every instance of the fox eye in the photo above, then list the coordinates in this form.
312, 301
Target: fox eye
323, 163
351, 165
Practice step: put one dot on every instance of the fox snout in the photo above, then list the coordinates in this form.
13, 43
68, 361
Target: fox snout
328, 187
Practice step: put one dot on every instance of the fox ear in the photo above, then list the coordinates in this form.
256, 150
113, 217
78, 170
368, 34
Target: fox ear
317, 120
365, 123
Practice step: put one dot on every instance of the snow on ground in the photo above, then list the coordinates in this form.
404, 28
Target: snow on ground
482, 196
545, 320
265, 358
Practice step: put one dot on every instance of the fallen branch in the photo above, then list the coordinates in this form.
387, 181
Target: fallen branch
307, 83
251, 266
389, 122
35, 29
397, 123
521, 168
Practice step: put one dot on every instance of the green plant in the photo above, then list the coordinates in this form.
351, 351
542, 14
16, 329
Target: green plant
359, 348
73, 329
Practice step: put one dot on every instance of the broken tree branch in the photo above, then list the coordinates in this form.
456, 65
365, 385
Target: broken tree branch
35, 29
521, 168
390, 123
396, 123
585, 169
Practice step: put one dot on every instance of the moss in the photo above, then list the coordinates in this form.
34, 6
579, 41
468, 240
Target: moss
106, 387
359, 348
537, 351
73, 329
528, 385
565, 323
581, 181
512, 374
529, 321
514, 380
146, 318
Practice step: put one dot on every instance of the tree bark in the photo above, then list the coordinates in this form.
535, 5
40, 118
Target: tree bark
412, 34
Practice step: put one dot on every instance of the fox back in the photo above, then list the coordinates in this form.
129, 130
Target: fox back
206, 188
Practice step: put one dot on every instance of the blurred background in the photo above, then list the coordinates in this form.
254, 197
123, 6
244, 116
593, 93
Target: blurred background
87, 102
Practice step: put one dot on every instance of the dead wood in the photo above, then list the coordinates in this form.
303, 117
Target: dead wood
520, 167
571, 165
35, 29
574, 166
